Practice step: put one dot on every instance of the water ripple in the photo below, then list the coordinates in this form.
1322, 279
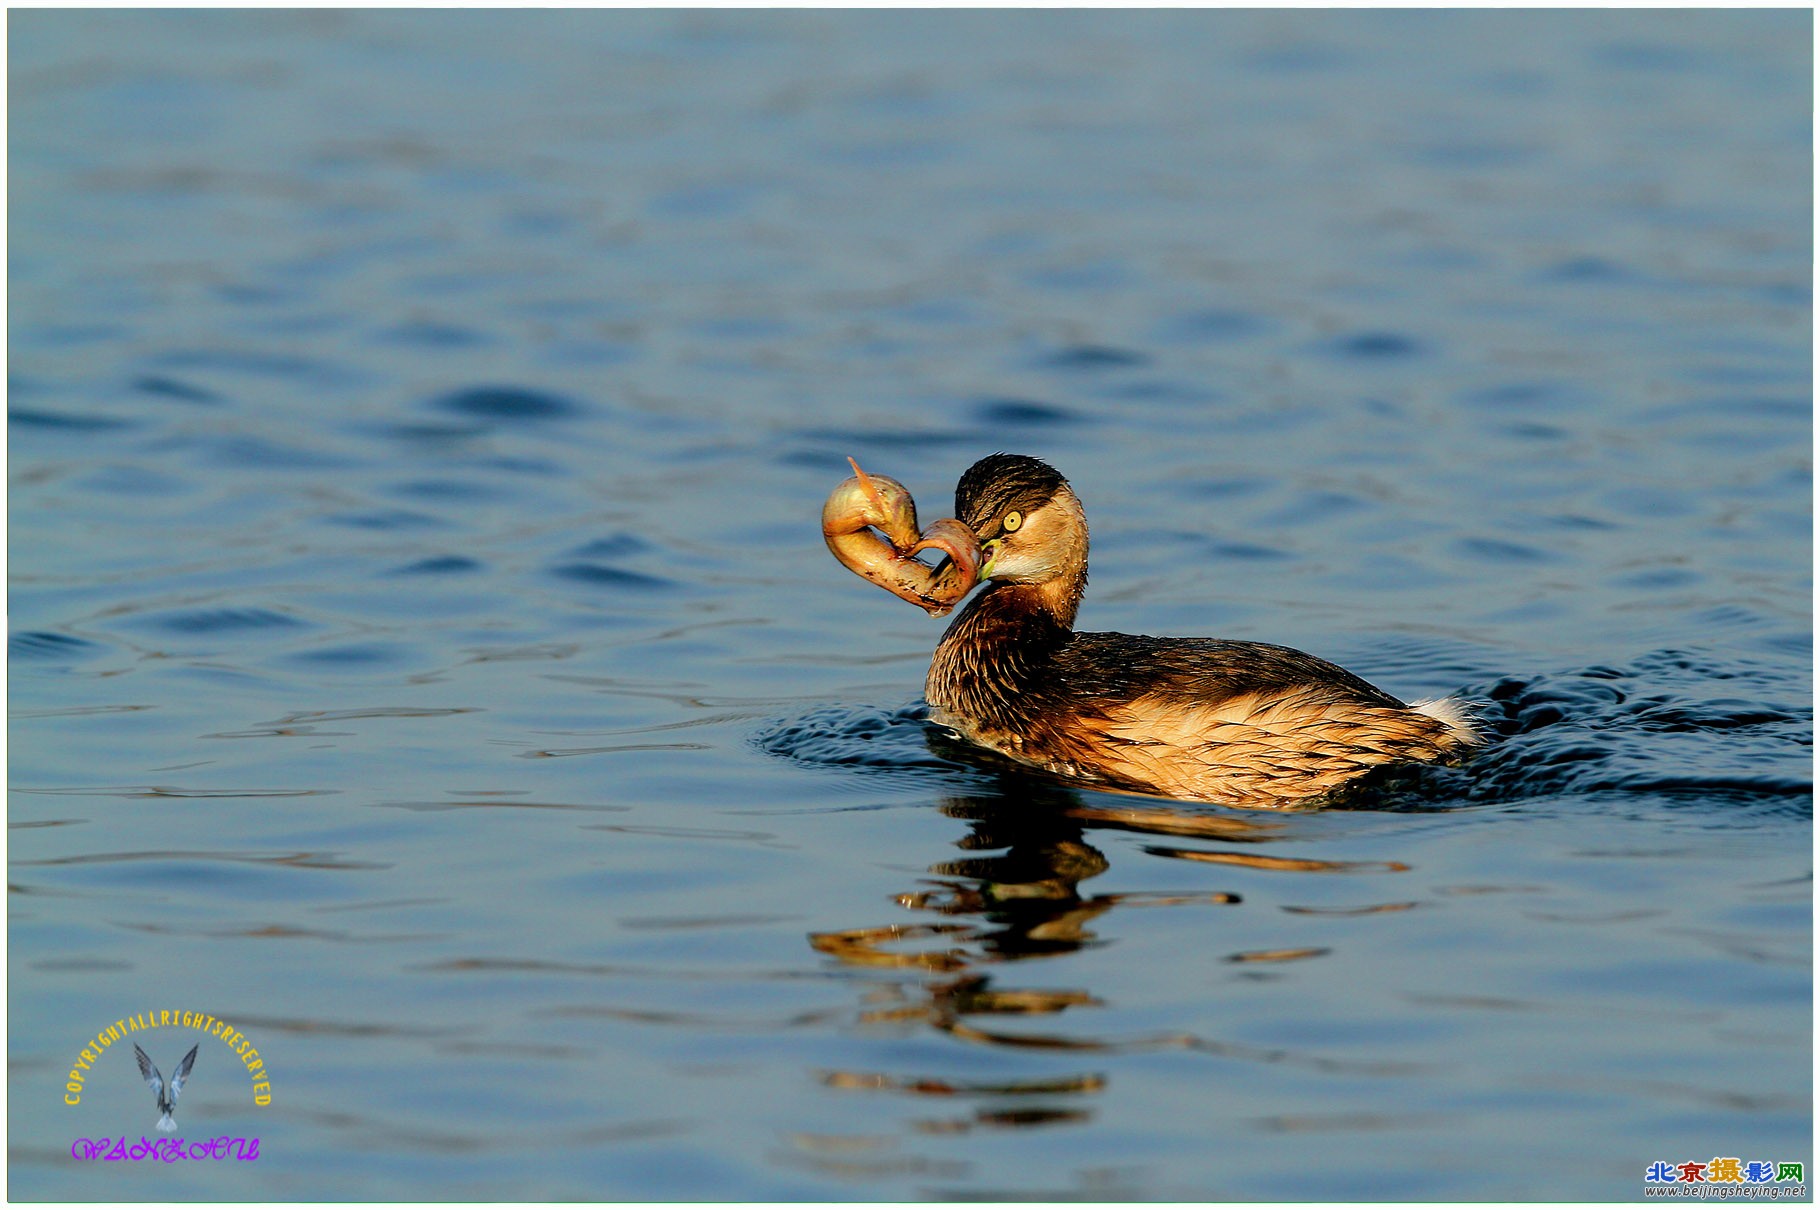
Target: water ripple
69, 422
509, 404
49, 646
224, 619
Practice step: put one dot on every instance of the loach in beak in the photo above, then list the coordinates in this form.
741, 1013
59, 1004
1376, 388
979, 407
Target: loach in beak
958, 543
871, 502
863, 508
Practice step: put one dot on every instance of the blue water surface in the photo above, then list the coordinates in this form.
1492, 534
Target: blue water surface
424, 660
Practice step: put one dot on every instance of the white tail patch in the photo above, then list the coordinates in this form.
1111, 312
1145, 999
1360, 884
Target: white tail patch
1455, 713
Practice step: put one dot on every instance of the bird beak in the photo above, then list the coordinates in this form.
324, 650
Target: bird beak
988, 557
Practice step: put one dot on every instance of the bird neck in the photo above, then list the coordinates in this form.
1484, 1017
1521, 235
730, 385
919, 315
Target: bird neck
996, 655
1060, 598
1059, 593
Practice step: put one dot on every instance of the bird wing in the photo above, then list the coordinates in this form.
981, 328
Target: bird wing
151, 1074
183, 1072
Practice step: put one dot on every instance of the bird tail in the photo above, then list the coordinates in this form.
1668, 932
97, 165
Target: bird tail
1455, 714
167, 1123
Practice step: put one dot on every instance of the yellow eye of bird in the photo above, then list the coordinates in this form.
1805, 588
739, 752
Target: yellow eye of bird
1012, 521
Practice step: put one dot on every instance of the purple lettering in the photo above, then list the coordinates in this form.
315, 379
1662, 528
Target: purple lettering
170, 1150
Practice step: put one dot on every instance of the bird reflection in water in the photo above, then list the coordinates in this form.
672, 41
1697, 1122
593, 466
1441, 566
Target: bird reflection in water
1016, 896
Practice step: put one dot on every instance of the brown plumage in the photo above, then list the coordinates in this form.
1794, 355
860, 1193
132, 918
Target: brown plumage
1244, 723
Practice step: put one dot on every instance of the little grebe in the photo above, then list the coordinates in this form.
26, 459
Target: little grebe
1250, 724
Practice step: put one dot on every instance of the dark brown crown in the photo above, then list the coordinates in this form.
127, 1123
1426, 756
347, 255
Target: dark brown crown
999, 482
